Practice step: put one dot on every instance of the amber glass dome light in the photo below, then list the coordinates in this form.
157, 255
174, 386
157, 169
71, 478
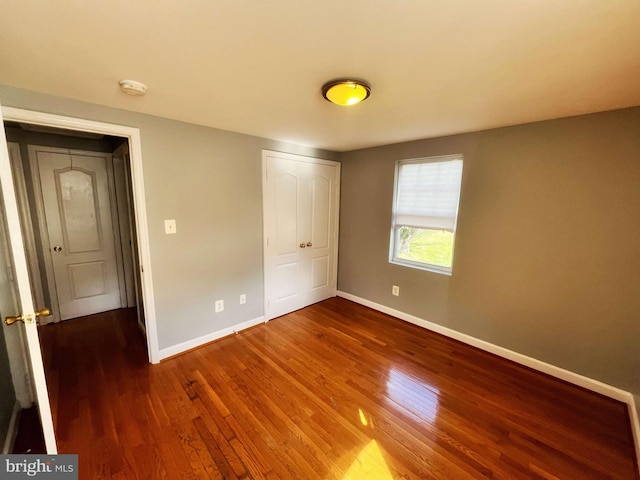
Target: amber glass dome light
346, 91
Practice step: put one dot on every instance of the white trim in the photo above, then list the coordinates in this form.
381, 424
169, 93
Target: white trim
12, 429
296, 157
557, 372
140, 209
208, 338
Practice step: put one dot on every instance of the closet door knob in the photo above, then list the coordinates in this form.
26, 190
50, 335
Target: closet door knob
302, 245
57, 248
309, 244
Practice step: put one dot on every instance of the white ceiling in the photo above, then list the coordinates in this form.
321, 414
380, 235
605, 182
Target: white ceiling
436, 67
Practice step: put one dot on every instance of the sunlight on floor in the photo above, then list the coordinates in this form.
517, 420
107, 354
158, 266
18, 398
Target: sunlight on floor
369, 464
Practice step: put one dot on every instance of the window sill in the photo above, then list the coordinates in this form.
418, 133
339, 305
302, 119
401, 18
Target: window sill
421, 266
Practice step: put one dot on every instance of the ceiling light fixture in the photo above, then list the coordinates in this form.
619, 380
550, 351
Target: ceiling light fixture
345, 91
133, 87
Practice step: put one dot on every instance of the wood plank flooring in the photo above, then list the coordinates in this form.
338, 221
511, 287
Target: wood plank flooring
333, 391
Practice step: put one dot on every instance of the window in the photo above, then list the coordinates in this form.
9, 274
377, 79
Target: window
425, 211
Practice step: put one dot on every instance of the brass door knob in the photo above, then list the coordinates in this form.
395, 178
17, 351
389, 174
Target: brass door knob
302, 245
309, 244
57, 248
12, 320
43, 312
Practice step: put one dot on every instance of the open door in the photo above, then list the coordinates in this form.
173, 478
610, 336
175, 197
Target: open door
17, 308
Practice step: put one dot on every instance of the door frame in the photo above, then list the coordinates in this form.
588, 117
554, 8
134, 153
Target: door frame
132, 134
28, 234
267, 214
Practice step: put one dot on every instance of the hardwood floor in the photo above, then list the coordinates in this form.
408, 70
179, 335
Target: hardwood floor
333, 391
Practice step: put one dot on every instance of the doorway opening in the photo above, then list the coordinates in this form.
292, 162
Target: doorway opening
127, 150
76, 206
127, 139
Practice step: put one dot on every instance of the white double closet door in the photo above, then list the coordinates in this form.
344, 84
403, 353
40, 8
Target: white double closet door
77, 228
301, 202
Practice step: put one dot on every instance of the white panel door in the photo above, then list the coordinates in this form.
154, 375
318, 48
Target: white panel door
301, 219
16, 297
79, 224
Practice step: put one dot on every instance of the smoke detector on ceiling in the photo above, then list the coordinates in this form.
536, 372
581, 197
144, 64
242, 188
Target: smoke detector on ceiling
133, 87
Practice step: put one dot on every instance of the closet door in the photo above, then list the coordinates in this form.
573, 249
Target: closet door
301, 225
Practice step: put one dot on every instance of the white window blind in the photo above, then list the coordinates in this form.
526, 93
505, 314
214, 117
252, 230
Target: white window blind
428, 194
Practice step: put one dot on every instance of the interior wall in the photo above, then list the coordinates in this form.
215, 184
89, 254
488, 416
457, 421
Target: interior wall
210, 182
547, 253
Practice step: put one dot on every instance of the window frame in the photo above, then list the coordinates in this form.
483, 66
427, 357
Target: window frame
393, 241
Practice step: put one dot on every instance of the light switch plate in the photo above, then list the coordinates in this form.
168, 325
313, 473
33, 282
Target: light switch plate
169, 226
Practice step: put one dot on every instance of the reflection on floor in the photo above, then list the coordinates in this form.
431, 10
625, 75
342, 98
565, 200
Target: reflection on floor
408, 393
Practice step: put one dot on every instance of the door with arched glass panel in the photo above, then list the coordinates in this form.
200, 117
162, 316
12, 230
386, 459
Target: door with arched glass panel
76, 222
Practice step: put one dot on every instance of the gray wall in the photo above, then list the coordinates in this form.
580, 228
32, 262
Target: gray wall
547, 254
209, 181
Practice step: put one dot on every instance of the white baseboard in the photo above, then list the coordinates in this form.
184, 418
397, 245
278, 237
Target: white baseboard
210, 337
12, 429
561, 373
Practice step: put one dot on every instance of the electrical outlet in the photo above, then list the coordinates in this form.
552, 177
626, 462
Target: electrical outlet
219, 306
243, 299
395, 290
